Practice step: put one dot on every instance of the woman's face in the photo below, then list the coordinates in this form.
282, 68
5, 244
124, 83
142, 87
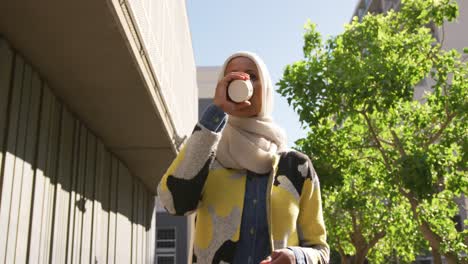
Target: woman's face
246, 65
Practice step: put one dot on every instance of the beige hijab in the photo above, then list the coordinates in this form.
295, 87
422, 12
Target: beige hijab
250, 143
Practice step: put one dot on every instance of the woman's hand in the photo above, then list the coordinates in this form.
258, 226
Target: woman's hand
281, 256
221, 96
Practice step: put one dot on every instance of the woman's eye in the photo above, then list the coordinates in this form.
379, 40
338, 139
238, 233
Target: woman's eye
253, 77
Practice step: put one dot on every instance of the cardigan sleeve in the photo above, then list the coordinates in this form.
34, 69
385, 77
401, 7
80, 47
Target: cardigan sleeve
213, 118
311, 226
181, 187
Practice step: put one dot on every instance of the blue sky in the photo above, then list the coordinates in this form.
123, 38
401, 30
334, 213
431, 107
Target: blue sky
272, 29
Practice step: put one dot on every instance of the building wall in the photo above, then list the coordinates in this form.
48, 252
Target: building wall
163, 27
182, 227
64, 196
453, 35
207, 78
374, 7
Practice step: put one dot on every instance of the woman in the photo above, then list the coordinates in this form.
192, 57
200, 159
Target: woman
255, 201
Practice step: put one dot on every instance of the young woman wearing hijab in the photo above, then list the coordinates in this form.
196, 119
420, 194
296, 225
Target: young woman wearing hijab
255, 201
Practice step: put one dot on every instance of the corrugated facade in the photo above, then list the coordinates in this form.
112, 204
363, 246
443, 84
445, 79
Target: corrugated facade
64, 197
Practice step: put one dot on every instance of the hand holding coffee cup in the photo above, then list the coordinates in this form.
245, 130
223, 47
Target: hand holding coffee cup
240, 90
222, 99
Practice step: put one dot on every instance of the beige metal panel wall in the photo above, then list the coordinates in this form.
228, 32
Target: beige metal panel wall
164, 29
207, 78
8, 160
64, 198
454, 34
6, 70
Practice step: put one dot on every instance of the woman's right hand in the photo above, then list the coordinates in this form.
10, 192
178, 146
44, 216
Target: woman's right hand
221, 98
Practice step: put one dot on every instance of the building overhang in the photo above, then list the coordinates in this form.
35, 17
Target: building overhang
86, 52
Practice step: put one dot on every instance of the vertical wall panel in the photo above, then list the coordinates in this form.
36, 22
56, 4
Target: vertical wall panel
105, 198
63, 186
140, 221
79, 201
50, 180
6, 159
73, 202
41, 180
134, 221
124, 211
136, 244
144, 211
98, 223
88, 194
151, 230
27, 181
19, 166
6, 73
64, 198
141, 229
112, 239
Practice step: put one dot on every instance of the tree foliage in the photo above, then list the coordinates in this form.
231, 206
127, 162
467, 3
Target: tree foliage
390, 166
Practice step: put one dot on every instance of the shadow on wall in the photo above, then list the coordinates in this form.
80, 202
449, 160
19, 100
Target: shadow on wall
63, 196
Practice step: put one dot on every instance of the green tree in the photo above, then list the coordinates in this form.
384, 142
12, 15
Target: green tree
390, 166
366, 216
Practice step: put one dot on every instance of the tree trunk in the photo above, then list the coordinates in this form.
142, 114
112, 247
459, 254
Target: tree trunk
452, 258
362, 246
355, 259
436, 257
360, 257
433, 239
345, 259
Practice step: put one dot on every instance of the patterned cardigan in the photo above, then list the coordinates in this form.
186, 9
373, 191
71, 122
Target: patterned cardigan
196, 182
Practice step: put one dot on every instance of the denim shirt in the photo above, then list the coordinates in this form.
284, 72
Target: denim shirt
254, 244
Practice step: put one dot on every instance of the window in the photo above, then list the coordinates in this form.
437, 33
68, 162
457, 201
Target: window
166, 260
166, 245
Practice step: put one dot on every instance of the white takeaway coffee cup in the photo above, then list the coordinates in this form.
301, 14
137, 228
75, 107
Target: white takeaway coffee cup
240, 90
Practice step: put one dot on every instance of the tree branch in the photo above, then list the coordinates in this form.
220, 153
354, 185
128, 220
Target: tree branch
387, 142
398, 144
357, 238
366, 158
340, 248
443, 35
437, 135
376, 238
376, 140
433, 238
